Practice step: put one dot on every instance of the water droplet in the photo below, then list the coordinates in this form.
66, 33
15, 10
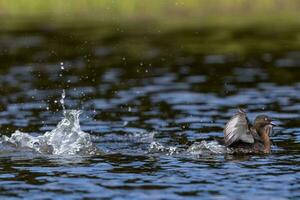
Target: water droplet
62, 67
62, 100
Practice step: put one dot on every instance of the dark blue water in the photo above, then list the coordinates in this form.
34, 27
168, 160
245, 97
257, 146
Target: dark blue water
136, 89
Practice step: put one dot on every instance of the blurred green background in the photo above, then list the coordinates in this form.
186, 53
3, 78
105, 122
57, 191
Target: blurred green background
186, 27
166, 13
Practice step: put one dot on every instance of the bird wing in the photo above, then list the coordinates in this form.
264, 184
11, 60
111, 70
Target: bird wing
237, 129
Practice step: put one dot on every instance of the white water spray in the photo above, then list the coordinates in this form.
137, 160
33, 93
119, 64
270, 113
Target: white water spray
66, 139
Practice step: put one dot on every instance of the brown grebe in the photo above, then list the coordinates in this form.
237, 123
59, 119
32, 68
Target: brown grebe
242, 137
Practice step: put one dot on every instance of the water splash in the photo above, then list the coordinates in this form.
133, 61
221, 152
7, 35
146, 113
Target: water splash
204, 148
156, 147
24, 141
62, 101
66, 139
198, 148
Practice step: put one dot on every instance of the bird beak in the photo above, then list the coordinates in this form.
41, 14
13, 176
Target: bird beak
273, 124
273, 133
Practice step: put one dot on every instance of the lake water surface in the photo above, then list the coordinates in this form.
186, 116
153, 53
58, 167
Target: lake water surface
144, 98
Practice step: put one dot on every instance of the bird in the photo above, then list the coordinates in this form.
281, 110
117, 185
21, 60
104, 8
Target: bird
240, 136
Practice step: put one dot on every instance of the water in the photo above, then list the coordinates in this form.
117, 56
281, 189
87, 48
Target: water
66, 139
151, 109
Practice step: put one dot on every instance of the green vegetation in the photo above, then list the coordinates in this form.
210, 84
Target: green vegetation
165, 13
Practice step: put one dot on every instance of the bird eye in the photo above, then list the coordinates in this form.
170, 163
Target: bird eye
266, 119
